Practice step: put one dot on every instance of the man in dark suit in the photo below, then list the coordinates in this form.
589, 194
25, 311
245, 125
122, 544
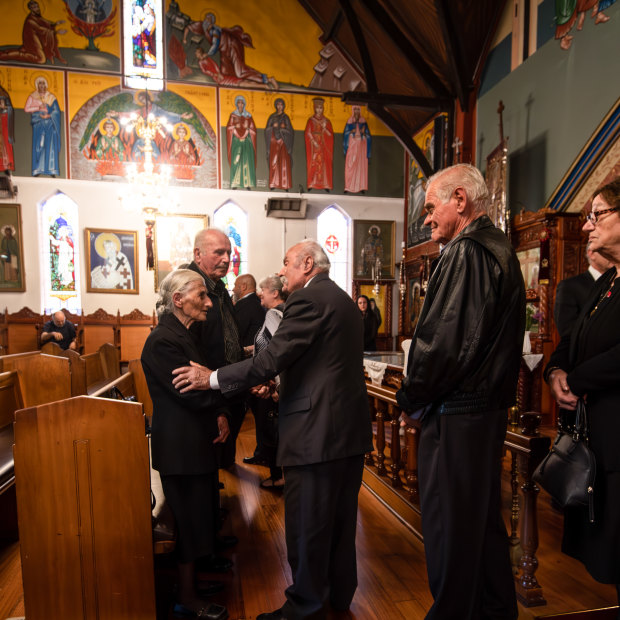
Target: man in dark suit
572, 294
248, 310
219, 336
324, 429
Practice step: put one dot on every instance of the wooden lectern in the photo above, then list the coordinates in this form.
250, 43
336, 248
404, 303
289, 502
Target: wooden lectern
84, 512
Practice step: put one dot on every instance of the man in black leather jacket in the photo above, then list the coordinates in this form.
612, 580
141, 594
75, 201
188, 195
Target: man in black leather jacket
462, 375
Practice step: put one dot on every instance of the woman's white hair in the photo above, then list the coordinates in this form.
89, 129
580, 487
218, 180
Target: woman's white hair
466, 176
176, 282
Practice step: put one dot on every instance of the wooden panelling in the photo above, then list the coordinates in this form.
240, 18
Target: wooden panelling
84, 513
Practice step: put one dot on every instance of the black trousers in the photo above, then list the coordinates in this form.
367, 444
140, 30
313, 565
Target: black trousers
465, 538
320, 504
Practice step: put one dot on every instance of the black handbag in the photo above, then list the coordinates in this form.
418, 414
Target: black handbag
567, 473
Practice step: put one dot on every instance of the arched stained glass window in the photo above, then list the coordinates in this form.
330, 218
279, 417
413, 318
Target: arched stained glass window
143, 52
333, 233
60, 254
233, 220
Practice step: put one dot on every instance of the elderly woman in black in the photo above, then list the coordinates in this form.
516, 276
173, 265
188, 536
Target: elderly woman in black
185, 428
587, 364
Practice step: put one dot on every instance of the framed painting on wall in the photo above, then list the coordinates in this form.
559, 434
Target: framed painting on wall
12, 276
373, 247
111, 261
174, 242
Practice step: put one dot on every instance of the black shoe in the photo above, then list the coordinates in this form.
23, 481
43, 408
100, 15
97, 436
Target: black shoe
254, 460
272, 615
225, 542
207, 588
211, 611
213, 564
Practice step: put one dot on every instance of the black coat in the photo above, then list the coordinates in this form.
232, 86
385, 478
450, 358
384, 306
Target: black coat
184, 425
250, 318
317, 351
571, 296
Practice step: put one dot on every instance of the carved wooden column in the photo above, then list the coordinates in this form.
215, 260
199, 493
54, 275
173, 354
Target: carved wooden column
528, 589
412, 438
395, 465
368, 458
380, 440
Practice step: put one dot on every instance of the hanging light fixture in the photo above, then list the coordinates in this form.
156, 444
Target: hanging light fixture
148, 189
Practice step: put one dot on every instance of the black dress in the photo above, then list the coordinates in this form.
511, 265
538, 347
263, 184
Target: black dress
371, 326
591, 356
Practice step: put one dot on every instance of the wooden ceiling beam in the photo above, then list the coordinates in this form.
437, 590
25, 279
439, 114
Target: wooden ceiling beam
408, 50
454, 53
369, 69
439, 104
403, 135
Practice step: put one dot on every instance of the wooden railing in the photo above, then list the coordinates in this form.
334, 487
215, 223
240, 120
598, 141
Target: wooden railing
394, 462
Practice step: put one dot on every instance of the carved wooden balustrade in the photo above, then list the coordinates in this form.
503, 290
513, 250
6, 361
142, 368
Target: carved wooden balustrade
393, 463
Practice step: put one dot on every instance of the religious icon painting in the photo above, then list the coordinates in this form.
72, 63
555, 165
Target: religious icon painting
12, 277
111, 261
373, 246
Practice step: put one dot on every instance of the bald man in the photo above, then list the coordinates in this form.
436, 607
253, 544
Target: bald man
60, 331
248, 310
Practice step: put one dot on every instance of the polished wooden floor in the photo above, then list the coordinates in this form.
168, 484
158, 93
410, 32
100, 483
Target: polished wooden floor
391, 568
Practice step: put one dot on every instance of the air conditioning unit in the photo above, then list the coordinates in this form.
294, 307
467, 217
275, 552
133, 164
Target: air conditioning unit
294, 208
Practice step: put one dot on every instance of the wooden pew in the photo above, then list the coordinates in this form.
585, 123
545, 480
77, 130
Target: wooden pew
133, 330
20, 331
98, 328
101, 367
10, 401
43, 378
83, 497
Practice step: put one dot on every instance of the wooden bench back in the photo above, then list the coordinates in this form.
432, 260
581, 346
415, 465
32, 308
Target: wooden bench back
142, 390
133, 330
98, 328
10, 397
83, 497
21, 331
43, 378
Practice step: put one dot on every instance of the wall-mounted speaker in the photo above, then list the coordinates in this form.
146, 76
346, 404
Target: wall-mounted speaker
294, 208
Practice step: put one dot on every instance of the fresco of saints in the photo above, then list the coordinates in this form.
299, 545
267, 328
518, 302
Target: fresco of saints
229, 43
39, 39
241, 143
7, 157
279, 136
46, 131
356, 143
183, 151
109, 146
114, 272
319, 136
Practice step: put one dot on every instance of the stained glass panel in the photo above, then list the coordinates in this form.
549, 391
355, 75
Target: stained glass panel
234, 222
60, 252
143, 58
333, 231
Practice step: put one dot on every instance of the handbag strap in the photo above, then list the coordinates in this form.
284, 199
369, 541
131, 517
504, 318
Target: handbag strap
582, 427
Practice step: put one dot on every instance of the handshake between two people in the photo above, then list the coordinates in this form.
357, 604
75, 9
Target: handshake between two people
198, 377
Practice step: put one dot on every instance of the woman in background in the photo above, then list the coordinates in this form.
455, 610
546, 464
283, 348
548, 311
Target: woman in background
371, 325
586, 364
184, 432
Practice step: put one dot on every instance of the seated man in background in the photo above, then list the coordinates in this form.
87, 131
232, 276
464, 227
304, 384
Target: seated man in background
60, 331
573, 293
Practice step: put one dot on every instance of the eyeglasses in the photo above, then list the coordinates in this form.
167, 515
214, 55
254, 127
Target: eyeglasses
594, 215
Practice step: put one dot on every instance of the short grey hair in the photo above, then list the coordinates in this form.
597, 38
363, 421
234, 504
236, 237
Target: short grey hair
309, 247
273, 283
466, 176
176, 282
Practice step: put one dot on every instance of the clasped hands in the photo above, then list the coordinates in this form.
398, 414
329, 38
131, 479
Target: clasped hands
560, 390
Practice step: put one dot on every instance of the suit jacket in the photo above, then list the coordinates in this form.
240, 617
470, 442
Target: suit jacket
571, 296
250, 318
184, 425
317, 351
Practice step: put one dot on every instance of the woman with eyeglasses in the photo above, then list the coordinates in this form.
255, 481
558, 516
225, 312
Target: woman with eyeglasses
586, 364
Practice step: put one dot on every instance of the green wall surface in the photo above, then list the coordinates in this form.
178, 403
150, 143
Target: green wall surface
553, 103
